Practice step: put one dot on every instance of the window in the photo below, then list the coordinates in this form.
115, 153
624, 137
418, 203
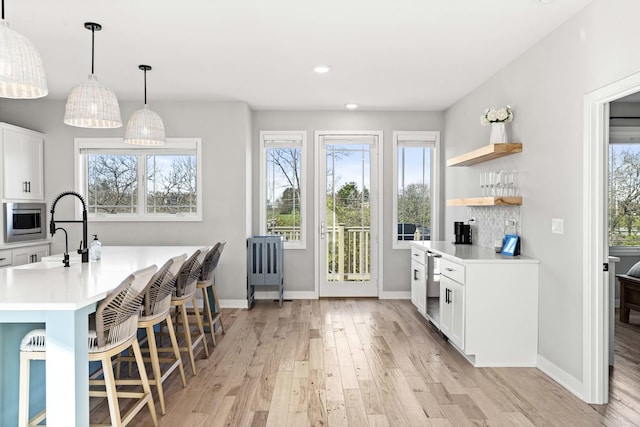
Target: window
624, 194
122, 182
415, 196
282, 178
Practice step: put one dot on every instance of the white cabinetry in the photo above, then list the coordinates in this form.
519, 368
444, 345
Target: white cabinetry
452, 307
419, 280
11, 256
22, 163
488, 304
29, 254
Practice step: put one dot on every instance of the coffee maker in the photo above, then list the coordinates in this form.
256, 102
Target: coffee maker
462, 233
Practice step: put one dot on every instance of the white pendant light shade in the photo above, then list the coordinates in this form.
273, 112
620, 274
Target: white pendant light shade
91, 105
21, 69
145, 127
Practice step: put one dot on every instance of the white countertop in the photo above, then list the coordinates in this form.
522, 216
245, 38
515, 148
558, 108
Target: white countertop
470, 253
48, 285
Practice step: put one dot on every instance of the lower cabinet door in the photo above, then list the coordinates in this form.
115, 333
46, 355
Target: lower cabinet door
457, 319
418, 287
446, 305
452, 310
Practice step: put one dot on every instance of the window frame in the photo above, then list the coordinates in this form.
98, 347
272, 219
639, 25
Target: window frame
115, 145
417, 139
268, 139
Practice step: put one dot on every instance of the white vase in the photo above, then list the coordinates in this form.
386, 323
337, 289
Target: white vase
498, 133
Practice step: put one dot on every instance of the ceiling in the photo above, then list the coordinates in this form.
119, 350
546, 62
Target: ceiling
385, 55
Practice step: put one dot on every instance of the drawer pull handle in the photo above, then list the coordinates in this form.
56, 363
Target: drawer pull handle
2, 259
449, 269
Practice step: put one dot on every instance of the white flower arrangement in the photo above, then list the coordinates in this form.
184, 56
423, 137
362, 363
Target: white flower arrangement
501, 115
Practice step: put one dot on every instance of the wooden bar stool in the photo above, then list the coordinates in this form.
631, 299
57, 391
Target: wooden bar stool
156, 307
185, 293
207, 284
113, 330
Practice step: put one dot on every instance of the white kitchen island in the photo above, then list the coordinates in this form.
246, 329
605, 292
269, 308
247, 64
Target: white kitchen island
488, 302
62, 298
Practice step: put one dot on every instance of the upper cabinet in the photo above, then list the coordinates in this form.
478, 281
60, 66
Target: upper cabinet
22, 163
486, 153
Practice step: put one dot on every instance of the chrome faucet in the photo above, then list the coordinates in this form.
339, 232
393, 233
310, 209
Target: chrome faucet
83, 250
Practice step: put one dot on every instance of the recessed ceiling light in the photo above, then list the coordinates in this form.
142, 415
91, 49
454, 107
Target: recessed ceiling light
321, 69
351, 106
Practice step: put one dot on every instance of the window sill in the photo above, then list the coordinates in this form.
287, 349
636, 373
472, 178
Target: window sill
624, 250
147, 218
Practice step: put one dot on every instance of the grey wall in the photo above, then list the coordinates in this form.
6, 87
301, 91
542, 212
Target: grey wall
546, 87
299, 263
225, 130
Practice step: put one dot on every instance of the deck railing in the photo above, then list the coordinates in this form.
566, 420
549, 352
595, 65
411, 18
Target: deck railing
348, 252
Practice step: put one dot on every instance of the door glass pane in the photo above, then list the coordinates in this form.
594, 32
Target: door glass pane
348, 212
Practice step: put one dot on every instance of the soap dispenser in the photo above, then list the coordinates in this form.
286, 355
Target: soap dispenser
95, 250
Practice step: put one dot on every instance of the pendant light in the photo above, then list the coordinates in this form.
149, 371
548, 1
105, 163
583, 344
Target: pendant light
91, 105
145, 126
21, 70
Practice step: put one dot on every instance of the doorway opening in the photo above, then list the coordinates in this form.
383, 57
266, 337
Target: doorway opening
348, 201
596, 292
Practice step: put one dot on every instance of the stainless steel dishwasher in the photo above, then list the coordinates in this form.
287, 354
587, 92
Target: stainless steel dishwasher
433, 288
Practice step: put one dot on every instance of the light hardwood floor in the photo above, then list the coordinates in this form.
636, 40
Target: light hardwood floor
369, 362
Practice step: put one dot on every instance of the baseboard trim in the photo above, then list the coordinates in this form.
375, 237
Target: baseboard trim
234, 303
395, 295
261, 295
561, 377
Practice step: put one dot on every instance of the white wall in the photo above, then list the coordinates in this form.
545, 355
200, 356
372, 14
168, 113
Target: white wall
546, 87
299, 272
225, 130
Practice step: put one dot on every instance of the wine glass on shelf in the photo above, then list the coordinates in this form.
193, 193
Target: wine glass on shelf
483, 183
491, 183
499, 183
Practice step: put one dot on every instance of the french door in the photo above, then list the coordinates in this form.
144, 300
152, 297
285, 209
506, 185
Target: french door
348, 201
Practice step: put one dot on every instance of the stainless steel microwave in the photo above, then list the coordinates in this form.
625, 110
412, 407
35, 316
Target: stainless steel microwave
24, 221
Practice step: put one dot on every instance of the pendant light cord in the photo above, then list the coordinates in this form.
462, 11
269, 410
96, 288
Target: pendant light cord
3, 10
145, 86
93, 38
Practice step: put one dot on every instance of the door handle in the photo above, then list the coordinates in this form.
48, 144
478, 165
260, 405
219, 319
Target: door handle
322, 230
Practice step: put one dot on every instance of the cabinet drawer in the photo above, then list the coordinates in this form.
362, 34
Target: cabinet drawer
419, 255
5, 258
452, 270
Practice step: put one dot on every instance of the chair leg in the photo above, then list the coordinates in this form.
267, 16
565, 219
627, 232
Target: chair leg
187, 337
176, 350
145, 381
200, 327
112, 396
206, 306
155, 366
218, 310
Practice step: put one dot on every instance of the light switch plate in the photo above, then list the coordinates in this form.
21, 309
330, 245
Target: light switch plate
557, 226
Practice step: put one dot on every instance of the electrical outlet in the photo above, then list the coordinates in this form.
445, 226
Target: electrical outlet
511, 222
